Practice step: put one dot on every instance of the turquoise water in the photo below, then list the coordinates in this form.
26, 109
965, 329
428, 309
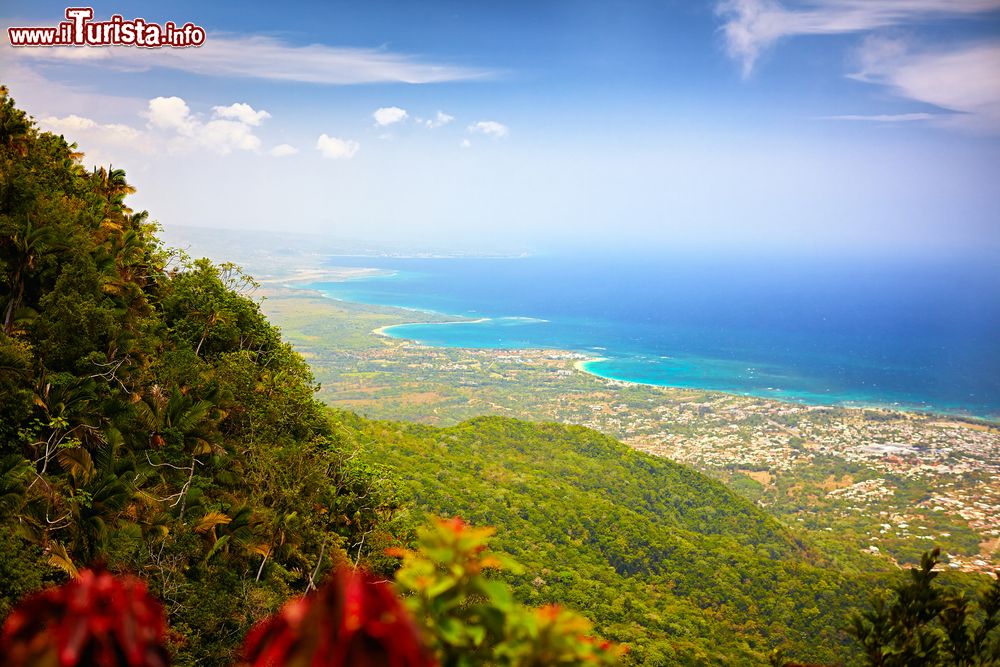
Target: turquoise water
918, 337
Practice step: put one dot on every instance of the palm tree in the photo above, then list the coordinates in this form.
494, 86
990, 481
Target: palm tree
240, 529
98, 505
15, 470
15, 127
188, 422
180, 422
27, 247
63, 406
113, 187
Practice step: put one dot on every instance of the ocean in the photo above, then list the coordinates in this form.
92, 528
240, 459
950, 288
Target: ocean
915, 335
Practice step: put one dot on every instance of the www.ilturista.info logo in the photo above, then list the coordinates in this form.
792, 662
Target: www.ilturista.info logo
80, 30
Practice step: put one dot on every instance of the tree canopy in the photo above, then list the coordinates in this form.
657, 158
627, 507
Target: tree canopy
152, 418
153, 421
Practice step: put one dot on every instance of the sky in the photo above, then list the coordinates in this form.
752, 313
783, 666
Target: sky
810, 127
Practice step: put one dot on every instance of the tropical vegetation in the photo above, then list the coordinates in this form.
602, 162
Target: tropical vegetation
154, 424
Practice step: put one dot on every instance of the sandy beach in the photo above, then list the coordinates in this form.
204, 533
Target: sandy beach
381, 331
334, 274
581, 365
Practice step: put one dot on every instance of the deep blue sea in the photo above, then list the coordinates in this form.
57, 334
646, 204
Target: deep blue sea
916, 335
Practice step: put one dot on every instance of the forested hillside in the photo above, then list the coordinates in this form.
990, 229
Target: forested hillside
659, 556
153, 422
151, 418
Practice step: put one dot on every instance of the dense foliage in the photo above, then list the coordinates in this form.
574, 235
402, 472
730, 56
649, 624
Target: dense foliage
152, 419
463, 617
658, 556
471, 619
924, 625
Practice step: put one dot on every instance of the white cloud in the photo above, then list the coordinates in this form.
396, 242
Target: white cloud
220, 135
490, 127
223, 136
466, 143
964, 80
260, 57
242, 112
77, 128
170, 113
388, 115
71, 123
439, 120
751, 26
885, 118
336, 149
283, 150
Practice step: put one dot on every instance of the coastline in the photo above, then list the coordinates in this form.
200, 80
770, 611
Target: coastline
808, 451
582, 366
335, 274
384, 330
800, 399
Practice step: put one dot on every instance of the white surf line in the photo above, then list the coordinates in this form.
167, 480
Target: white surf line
381, 331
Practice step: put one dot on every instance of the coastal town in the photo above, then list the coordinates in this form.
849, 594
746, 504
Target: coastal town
890, 483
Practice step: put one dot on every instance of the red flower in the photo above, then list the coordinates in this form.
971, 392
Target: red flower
96, 620
457, 524
352, 620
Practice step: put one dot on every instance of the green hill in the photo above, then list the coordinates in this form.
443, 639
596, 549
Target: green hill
154, 421
151, 418
658, 555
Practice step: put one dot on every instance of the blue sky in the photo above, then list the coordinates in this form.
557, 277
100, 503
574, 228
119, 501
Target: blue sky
811, 127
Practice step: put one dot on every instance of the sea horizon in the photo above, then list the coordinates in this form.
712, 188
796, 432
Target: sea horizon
795, 337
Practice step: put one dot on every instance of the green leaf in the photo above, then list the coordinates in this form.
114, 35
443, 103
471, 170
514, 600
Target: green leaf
215, 547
